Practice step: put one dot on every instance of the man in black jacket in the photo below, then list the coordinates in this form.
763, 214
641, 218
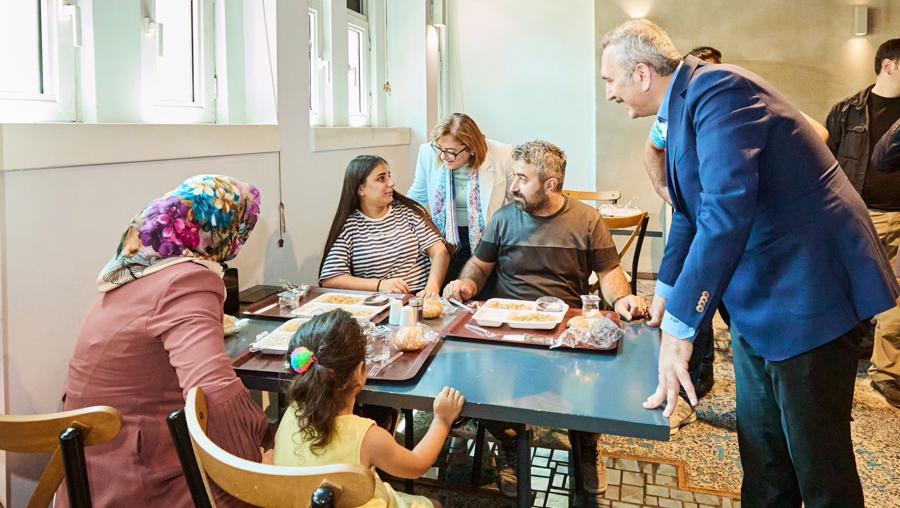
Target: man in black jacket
854, 125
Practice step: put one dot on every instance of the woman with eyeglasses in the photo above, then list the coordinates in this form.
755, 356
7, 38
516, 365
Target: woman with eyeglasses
461, 178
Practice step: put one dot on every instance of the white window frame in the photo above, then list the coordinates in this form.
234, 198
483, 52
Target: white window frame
202, 109
56, 100
360, 25
316, 95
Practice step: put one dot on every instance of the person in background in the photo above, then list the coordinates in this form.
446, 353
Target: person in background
545, 244
461, 178
154, 333
319, 428
855, 124
765, 220
380, 240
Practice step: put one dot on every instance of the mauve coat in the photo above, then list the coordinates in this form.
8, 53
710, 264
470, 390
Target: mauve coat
140, 349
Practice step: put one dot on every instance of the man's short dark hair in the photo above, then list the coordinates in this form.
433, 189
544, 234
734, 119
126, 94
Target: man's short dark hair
888, 50
707, 54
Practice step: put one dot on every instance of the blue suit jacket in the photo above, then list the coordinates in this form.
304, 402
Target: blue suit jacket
764, 218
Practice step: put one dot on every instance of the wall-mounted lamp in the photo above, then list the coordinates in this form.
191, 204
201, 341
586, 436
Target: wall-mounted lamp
860, 20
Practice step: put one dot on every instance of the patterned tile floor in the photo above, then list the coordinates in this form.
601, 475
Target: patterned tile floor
699, 467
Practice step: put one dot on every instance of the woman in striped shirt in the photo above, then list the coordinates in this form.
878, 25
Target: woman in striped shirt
381, 240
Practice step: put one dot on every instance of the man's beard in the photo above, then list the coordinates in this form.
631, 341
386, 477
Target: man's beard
529, 206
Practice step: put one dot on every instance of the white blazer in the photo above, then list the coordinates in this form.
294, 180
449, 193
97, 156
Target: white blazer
493, 176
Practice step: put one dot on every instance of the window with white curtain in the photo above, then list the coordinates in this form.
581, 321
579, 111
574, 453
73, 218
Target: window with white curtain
315, 104
37, 68
179, 63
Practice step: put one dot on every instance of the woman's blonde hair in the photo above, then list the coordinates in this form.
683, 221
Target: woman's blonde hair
466, 131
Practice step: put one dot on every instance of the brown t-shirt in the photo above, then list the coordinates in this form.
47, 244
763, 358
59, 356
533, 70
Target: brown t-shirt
546, 256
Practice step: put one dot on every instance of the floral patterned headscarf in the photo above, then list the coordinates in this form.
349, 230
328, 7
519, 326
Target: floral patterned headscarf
206, 220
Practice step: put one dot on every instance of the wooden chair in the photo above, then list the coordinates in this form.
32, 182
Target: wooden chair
638, 225
612, 196
64, 434
267, 485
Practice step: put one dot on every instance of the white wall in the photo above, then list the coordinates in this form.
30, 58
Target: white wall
526, 70
58, 226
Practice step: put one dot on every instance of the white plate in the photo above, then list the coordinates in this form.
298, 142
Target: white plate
497, 311
320, 305
278, 340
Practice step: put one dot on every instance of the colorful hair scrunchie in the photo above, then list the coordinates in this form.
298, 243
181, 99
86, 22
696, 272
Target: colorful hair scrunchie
302, 359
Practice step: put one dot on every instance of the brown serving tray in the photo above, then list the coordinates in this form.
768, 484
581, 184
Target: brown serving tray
403, 368
267, 308
536, 338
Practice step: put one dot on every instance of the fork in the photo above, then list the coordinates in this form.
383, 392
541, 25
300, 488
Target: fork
478, 329
378, 368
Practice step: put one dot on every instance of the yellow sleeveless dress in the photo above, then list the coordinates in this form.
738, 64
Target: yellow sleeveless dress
292, 450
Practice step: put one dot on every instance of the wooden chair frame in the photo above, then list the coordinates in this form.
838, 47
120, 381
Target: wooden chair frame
611, 196
268, 485
64, 434
638, 223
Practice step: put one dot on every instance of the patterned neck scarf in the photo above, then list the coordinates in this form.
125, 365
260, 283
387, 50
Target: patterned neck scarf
445, 206
205, 220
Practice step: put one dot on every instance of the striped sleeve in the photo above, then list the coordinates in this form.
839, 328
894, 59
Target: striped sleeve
337, 262
425, 236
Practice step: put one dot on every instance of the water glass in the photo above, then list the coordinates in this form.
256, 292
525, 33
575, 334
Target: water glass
590, 305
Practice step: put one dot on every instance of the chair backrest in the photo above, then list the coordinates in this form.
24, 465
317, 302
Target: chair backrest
638, 225
611, 196
50, 433
268, 485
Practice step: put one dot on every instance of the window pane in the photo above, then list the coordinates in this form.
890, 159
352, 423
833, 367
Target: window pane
313, 59
355, 85
356, 6
20, 47
175, 67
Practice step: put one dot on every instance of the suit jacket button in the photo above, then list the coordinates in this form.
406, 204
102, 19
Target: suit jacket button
700, 308
705, 294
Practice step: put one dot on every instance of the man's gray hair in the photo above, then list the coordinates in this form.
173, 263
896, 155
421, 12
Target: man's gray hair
642, 41
548, 159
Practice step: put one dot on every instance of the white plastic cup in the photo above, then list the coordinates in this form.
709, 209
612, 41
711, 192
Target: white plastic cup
408, 316
395, 308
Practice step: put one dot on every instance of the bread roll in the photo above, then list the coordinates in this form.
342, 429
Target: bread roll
409, 338
432, 308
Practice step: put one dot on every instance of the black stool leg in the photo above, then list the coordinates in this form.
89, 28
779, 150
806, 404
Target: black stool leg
523, 475
323, 497
410, 441
479, 453
76, 469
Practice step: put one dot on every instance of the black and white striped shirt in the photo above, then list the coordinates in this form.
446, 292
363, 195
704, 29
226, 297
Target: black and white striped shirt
392, 246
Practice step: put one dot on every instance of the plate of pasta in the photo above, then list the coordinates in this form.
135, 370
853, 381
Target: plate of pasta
518, 314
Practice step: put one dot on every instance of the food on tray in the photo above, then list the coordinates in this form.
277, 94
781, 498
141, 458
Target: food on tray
532, 317
338, 299
579, 322
229, 324
361, 313
410, 338
508, 305
432, 308
291, 326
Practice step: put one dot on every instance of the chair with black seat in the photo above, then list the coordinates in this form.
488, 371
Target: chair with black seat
64, 434
341, 485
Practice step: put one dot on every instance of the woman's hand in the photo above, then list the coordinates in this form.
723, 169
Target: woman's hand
631, 307
395, 285
448, 405
268, 456
429, 291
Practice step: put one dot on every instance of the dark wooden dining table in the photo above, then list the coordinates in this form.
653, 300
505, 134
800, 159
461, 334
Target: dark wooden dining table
587, 391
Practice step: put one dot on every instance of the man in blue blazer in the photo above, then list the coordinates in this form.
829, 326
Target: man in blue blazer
766, 221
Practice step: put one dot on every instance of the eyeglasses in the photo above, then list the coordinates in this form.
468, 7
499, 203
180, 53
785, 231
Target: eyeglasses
449, 155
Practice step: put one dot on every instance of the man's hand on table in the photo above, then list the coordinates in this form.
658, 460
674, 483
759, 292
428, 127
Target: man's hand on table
631, 307
460, 289
657, 309
674, 354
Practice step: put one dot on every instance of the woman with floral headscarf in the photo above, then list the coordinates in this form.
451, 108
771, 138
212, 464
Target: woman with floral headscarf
154, 333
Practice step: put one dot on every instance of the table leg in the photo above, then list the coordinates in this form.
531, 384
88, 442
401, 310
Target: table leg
479, 454
409, 438
523, 475
576, 485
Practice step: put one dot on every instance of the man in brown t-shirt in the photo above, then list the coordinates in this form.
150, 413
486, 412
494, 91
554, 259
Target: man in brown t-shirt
545, 244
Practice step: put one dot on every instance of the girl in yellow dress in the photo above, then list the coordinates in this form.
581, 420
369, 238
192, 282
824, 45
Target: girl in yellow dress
319, 428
